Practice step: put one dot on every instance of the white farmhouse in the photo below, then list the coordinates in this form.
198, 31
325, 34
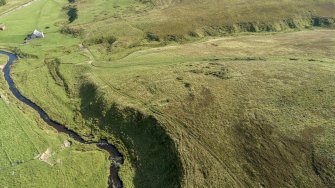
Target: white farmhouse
38, 34
35, 35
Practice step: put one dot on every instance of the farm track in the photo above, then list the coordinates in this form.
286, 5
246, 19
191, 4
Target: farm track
18, 8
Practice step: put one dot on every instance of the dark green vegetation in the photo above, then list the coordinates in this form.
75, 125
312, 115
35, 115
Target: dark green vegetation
72, 13
213, 93
151, 150
2, 2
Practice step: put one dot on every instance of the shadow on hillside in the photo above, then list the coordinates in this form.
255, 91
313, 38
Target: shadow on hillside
152, 152
274, 160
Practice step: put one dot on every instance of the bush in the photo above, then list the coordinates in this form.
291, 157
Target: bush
109, 40
72, 13
2, 2
152, 37
76, 32
175, 38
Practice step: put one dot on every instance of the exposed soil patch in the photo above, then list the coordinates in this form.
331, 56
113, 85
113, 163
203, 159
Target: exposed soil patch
45, 157
67, 144
4, 98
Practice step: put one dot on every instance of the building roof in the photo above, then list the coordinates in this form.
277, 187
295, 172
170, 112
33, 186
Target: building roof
38, 34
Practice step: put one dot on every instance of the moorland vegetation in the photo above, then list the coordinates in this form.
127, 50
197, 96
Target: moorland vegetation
205, 93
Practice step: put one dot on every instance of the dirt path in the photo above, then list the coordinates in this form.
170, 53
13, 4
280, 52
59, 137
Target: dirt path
87, 53
18, 8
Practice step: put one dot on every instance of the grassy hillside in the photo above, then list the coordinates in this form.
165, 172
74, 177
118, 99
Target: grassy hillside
24, 140
239, 115
3, 59
194, 93
217, 17
135, 24
9, 5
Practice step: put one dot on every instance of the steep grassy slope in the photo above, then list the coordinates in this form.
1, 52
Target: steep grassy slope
134, 25
215, 17
242, 107
245, 111
186, 108
24, 138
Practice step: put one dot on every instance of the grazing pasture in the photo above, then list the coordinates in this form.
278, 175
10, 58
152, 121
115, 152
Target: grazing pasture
24, 138
209, 93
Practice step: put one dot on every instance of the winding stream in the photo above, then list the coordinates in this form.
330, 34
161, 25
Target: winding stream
115, 156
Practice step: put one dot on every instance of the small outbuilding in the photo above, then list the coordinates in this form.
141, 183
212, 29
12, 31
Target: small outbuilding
36, 34
2, 27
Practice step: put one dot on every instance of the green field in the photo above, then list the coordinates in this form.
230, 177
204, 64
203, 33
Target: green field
11, 5
3, 60
24, 140
217, 93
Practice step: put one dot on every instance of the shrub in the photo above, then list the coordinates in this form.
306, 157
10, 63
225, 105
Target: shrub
152, 37
76, 32
21, 54
175, 38
72, 13
2, 2
109, 40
